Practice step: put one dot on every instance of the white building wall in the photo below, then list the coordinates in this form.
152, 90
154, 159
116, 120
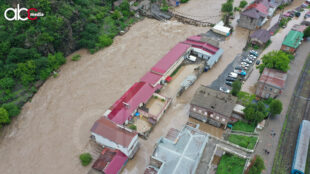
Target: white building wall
106, 142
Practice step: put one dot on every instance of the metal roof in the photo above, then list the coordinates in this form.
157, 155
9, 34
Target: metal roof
273, 78
293, 39
109, 130
302, 145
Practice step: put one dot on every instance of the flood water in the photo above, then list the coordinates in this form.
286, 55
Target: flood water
53, 129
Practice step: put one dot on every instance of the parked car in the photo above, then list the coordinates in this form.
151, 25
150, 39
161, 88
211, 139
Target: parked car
248, 61
257, 62
238, 68
231, 79
233, 75
244, 64
225, 90
253, 52
228, 83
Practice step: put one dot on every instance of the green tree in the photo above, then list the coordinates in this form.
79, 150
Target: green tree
255, 112
85, 159
227, 7
12, 109
307, 32
4, 116
243, 3
276, 60
7, 83
104, 41
258, 166
275, 107
26, 72
236, 87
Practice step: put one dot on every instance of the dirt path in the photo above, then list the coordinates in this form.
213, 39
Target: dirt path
53, 129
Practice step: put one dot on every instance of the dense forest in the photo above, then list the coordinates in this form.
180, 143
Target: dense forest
33, 50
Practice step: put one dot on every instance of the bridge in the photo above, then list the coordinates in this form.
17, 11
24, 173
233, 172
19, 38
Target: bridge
193, 20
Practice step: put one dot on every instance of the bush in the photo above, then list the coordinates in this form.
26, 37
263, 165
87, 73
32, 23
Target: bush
275, 107
4, 116
243, 141
236, 87
85, 159
104, 41
307, 31
227, 7
76, 57
12, 109
184, 1
7, 83
133, 127
230, 164
237, 9
243, 126
243, 3
258, 166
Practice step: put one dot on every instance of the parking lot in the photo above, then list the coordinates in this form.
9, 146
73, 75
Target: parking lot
222, 79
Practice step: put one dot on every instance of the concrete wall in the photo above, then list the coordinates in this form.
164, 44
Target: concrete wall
288, 49
267, 91
248, 23
128, 151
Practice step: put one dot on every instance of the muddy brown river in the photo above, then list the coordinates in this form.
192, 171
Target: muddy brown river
53, 129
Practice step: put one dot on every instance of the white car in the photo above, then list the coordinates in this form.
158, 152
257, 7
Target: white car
225, 90
244, 63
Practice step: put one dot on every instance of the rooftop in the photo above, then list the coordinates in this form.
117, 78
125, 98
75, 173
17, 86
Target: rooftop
198, 42
183, 155
293, 39
214, 100
273, 77
110, 161
109, 130
261, 34
170, 58
122, 109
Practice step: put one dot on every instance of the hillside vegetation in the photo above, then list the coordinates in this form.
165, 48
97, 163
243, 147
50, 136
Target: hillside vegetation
31, 51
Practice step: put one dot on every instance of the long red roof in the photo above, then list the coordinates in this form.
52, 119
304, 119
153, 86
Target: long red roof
195, 41
139, 93
170, 58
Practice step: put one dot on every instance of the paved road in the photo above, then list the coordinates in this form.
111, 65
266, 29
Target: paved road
266, 140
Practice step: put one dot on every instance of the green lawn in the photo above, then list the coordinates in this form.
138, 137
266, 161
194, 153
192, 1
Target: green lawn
243, 141
243, 126
230, 164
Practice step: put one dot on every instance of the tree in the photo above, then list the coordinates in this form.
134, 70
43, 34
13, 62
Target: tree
276, 60
26, 72
104, 41
243, 3
85, 159
258, 166
12, 109
236, 87
307, 32
7, 83
227, 7
255, 112
275, 107
4, 116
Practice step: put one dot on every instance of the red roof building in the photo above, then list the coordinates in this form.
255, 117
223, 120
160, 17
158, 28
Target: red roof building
110, 161
123, 108
109, 134
271, 83
195, 41
164, 64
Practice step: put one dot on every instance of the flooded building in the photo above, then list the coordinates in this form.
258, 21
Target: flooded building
271, 83
110, 161
178, 152
108, 134
292, 41
212, 106
255, 15
260, 37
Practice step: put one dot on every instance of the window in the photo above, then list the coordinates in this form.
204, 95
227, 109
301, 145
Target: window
270, 89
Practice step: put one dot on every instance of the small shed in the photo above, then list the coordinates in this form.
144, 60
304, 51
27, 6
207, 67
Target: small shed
260, 37
238, 109
221, 29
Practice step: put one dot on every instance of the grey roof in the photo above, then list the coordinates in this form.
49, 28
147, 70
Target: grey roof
261, 34
253, 13
182, 156
214, 100
302, 146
